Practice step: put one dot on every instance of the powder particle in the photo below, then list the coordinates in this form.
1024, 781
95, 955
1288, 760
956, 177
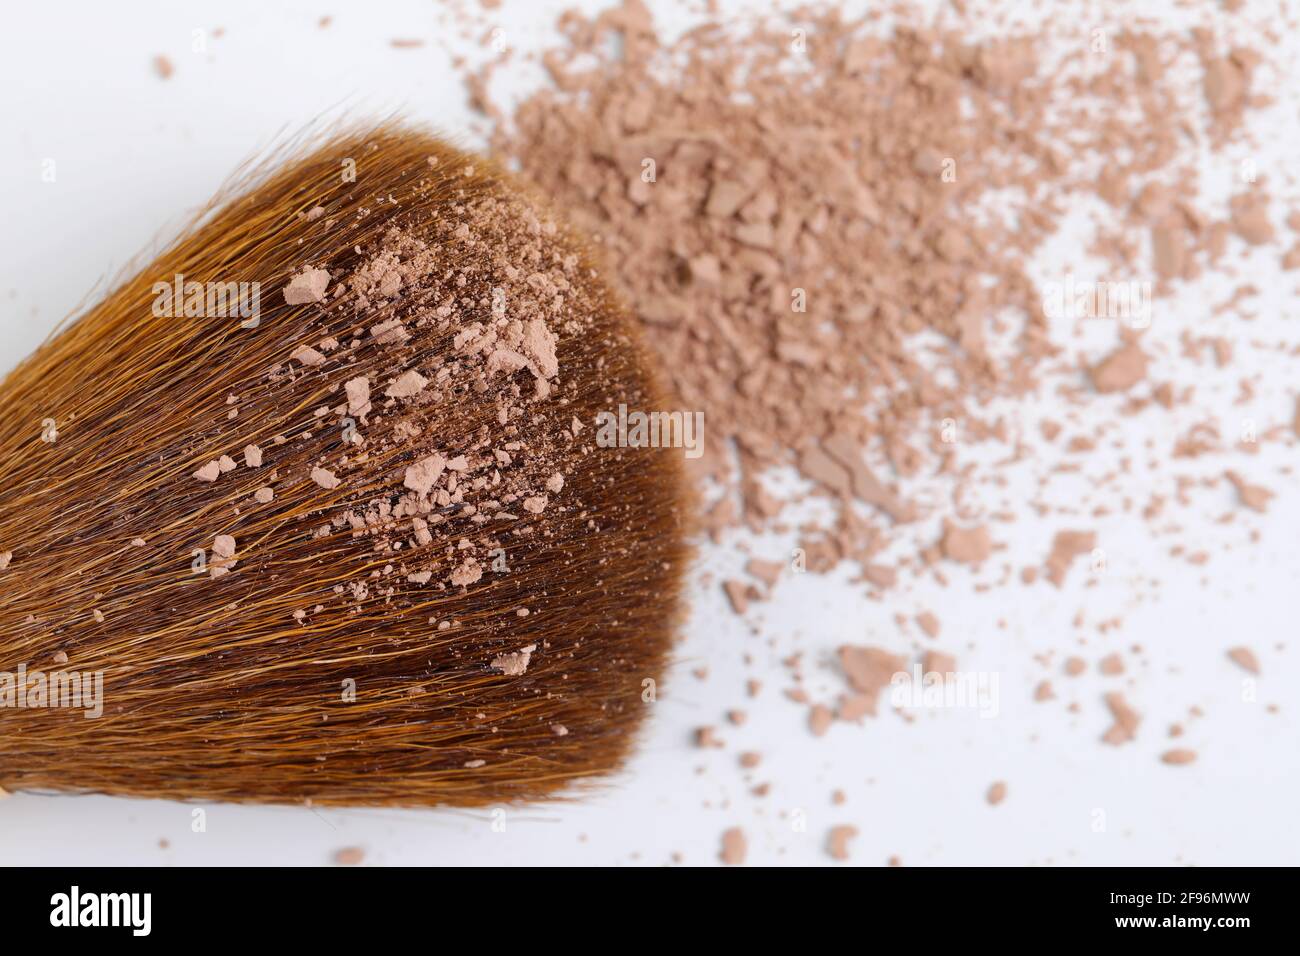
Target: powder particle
307, 286
967, 545
1120, 370
252, 456
928, 623
1244, 658
163, 67
1111, 665
325, 478
349, 856
869, 669
734, 847
424, 474
264, 495
358, 392
468, 572
209, 472
1126, 720
223, 556
1178, 757
407, 384
1066, 546
306, 355
820, 719
837, 841
1254, 497
6, 558
997, 792
516, 663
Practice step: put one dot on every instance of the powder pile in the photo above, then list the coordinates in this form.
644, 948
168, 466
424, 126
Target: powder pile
830, 228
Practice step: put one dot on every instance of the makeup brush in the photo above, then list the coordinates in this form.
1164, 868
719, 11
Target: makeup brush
314, 508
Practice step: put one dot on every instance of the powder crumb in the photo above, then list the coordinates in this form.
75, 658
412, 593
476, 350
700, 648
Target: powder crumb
264, 495
514, 664
358, 392
1254, 497
1178, 757
209, 472
997, 792
819, 719
559, 730
349, 856
6, 558
467, 573
407, 384
1120, 370
1126, 720
967, 545
734, 846
252, 456
306, 287
306, 355
1244, 658
424, 474
325, 478
163, 67
837, 842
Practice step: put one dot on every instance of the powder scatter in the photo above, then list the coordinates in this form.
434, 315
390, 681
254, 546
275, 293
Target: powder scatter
734, 846
306, 287
837, 842
516, 663
1244, 658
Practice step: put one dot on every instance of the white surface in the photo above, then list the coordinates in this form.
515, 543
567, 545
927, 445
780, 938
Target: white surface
134, 155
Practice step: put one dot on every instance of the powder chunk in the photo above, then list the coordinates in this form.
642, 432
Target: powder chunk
1178, 757
264, 495
358, 392
307, 286
424, 474
1244, 658
837, 842
734, 846
1066, 546
819, 719
555, 483
535, 504
466, 573
349, 856
407, 384
6, 558
512, 665
324, 478
223, 556
997, 793
968, 545
1254, 497
1120, 370
252, 456
306, 355
1126, 720
209, 472
869, 669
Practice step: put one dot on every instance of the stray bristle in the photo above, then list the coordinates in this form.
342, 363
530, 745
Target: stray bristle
358, 544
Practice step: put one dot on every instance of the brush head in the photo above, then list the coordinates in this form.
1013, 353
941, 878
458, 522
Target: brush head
347, 535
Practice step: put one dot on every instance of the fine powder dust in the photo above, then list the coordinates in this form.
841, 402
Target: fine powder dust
830, 228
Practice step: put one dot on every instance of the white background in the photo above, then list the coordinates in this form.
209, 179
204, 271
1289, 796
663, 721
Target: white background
135, 155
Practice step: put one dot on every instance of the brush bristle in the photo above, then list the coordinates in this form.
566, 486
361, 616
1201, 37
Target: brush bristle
366, 643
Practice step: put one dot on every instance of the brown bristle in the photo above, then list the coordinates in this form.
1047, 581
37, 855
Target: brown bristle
471, 515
